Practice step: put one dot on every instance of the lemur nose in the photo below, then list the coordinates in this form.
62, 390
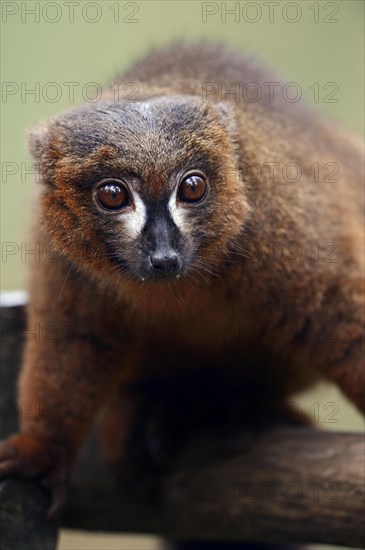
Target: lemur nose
164, 263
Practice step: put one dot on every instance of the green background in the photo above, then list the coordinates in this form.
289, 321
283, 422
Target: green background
36, 53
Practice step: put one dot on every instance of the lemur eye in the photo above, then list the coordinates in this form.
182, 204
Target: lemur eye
193, 188
113, 195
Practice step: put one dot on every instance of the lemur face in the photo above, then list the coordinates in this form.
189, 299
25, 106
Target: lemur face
147, 190
154, 224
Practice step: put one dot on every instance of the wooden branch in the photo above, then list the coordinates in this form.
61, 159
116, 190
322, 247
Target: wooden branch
24, 524
286, 485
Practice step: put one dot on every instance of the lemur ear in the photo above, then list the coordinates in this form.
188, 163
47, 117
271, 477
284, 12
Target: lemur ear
38, 140
224, 111
43, 145
226, 114
224, 108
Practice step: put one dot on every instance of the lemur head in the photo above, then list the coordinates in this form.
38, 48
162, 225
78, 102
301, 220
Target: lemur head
147, 190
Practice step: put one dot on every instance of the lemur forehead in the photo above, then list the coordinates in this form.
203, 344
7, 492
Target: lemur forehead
144, 107
149, 106
165, 100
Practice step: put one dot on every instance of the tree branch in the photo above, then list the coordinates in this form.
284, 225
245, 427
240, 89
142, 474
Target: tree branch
285, 485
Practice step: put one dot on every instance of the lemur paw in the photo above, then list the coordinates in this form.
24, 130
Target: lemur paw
29, 456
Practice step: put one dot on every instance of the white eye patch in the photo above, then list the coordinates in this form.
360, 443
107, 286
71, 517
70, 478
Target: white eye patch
177, 213
134, 221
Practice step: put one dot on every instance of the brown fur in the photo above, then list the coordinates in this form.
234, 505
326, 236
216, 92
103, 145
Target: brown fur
258, 326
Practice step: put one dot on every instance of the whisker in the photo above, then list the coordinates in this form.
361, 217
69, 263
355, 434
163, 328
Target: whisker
64, 284
172, 293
